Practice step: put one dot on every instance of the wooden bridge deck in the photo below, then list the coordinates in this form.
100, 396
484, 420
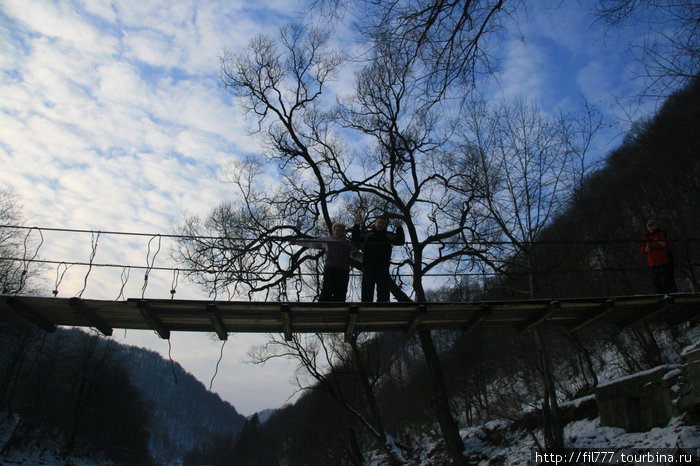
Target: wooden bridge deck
224, 317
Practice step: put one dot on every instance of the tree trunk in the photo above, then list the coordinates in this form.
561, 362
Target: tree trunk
553, 431
356, 452
387, 446
439, 401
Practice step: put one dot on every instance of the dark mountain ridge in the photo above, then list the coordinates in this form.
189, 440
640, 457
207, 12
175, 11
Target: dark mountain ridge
186, 414
94, 395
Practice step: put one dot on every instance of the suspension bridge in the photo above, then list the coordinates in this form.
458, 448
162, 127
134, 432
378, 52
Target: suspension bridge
223, 317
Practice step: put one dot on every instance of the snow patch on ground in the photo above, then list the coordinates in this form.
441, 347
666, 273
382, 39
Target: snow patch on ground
498, 443
39, 452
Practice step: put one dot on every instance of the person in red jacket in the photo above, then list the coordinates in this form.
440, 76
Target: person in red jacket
656, 247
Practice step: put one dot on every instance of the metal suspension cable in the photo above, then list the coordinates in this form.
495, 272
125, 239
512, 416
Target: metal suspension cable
311, 274
150, 261
281, 239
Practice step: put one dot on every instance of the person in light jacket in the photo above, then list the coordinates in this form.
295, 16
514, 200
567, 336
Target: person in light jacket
657, 249
376, 243
337, 261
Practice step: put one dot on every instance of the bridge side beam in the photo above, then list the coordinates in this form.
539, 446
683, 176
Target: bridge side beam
417, 319
286, 322
152, 319
479, 317
666, 303
607, 307
537, 319
216, 321
91, 316
30, 314
352, 322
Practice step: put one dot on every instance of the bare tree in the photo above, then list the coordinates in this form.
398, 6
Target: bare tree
18, 246
341, 373
287, 192
449, 39
530, 165
95, 356
407, 171
669, 51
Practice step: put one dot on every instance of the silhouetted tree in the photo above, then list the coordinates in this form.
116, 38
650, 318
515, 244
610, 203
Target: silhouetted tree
669, 50
17, 247
406, 173
87, 400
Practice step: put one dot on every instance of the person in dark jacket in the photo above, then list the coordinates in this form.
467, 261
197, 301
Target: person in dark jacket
376, 243
337, 260
656, 247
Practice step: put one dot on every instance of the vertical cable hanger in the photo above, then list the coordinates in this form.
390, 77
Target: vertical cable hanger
59, 277
25, 261
299, 283
215, 291
216, 371
126, 271
173, 284
172, 362
93, 243
150, 261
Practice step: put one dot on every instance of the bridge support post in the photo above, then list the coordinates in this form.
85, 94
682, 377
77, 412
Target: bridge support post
286, 322
152, 320
352, 321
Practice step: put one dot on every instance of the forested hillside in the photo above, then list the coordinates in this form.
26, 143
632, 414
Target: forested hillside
382, 384
184, 414
91, 396
475, 131
592, 248
138, 408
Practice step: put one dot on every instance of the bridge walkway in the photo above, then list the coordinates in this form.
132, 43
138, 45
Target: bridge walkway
223, 317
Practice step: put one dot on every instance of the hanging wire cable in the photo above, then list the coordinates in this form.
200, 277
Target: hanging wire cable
126, 271
59, 278
216, 370
173, 284
94, 240
150, 262
25, 261
299, 284
172, 363
312, 274
479, 242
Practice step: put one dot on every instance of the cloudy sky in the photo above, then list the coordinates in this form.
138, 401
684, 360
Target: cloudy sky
112, 118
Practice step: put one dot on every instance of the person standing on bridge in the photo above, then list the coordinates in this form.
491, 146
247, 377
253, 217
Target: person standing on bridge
337, 261
657, 249
376, 243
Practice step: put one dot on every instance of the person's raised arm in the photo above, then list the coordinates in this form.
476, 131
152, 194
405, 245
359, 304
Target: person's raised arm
356, 235
314, 243
399, 237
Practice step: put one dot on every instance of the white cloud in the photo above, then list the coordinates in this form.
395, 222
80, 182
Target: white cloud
522, 71
111, 118
103, 10
56, 21
152, 47
121, 84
